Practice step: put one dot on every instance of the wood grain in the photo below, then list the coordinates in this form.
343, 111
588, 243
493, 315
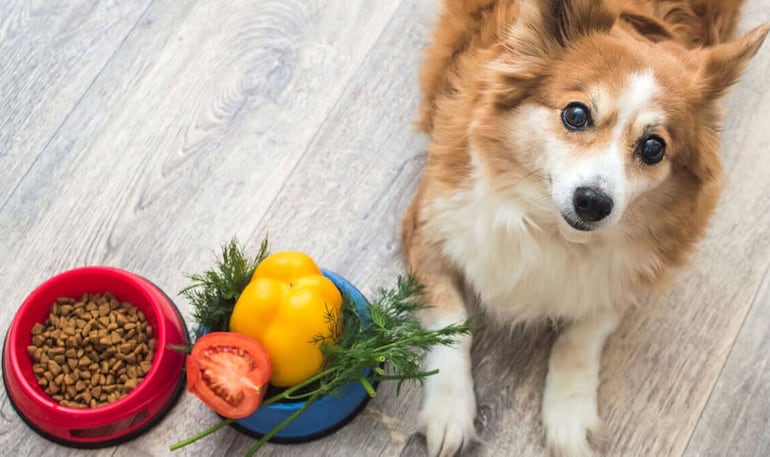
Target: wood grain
50, 52
343, 201
736, 420
216, 102
207, 120
30, 202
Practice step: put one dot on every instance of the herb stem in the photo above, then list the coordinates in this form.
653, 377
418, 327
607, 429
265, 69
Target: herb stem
200, 435
299, 396
401, 377
287, 394
368, 386
250, 452
401, 343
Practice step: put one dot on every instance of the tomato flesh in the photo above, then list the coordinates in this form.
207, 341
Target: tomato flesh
229, 372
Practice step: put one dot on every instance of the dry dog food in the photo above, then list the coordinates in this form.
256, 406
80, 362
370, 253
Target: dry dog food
91, 352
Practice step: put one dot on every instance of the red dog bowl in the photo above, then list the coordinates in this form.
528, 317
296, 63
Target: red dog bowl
127, 417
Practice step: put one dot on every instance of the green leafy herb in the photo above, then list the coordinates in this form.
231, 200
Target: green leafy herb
392, 335
213, 293
387, 334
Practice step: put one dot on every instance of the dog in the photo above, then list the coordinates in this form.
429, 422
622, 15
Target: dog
573, 164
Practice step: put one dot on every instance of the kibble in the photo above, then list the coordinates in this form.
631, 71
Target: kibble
91, 351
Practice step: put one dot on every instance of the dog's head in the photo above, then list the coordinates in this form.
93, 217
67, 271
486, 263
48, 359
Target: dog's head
611, 115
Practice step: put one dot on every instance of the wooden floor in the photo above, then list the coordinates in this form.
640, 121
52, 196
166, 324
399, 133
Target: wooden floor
146, 133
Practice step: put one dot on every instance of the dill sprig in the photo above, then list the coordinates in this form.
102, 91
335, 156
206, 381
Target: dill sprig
391, 335
214, 292
388, 334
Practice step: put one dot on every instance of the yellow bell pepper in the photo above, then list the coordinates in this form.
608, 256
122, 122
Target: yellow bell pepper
284, 307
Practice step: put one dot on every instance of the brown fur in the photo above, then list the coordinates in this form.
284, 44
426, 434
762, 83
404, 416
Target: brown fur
472, 33
469, 26
494, 81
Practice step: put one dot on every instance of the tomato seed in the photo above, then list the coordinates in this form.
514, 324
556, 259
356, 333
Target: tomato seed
221, 391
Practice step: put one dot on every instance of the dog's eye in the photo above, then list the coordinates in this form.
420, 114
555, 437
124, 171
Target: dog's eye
651, 149
576, 116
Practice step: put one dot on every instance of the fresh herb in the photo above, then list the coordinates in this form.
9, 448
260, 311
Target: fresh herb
390, 336
213, 293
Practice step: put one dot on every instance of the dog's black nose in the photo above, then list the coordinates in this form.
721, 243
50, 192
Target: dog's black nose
591, 204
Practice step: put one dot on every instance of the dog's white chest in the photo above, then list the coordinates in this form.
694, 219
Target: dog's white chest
522, 270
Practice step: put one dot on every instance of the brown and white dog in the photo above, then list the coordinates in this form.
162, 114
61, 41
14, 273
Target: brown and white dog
574, 161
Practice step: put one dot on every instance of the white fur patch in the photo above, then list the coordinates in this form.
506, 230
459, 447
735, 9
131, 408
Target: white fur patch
570, 412
510, 250
604, 170
449, 403
635, 99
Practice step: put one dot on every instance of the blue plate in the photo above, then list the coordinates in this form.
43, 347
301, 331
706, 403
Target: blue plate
325, 415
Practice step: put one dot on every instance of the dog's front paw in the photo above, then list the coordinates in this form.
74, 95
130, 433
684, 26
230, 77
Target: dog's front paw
447, 421
570, 410
449, 404
573, 431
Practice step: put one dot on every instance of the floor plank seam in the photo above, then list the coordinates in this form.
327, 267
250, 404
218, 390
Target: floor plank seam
2, 409
74, 108
329, 114
752, 303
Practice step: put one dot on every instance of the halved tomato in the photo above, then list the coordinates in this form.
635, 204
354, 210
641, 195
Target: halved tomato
229, 372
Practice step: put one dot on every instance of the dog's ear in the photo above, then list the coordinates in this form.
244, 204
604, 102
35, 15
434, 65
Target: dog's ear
648, 27
543, 30
544, 26
723, 64
568, 20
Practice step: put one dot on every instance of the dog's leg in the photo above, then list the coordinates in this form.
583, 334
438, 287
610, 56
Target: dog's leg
449, 403
570, 412
448, 406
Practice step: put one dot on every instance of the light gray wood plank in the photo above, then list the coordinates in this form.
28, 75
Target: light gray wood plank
50, 53
182, 142
736, 420
91, 115
206, 131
